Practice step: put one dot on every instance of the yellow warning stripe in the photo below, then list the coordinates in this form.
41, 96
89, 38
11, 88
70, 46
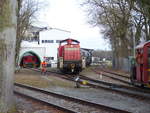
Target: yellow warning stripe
148, 85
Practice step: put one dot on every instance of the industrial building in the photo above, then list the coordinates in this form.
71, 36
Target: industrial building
42, 43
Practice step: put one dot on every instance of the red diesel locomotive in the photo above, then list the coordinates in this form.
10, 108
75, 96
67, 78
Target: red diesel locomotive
141, 69
69, 56
30, 61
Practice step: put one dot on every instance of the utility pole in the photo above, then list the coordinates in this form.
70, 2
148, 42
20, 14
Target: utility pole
8, 25
134, 44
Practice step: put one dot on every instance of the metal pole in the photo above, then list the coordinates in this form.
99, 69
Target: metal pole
134, 46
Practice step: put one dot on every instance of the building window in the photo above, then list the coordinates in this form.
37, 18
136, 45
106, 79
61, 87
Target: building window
42, 41
47, 41
48, 59
50, 41
51, 58
57, 41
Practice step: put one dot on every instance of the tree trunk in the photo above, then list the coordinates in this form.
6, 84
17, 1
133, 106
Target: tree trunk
8, 22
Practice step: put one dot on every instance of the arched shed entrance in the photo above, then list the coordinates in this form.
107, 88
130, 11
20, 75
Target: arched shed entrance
30, 60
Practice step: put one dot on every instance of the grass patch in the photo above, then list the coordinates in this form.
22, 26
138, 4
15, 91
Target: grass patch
36, 79
88, 69
60, 82
32, 80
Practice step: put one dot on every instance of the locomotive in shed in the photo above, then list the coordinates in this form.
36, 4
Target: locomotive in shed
140, 70
69, 56
29, 61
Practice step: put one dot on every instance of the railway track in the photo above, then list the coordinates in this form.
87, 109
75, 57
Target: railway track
125, 90
62, 102
43, 102
115, 73
131, 91
114, 76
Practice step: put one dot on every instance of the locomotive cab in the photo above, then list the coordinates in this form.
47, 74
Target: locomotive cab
141, 70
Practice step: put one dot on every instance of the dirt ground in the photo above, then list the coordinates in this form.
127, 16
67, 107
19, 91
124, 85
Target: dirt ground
58, 85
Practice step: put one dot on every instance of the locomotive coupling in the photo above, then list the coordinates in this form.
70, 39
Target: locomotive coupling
72, 66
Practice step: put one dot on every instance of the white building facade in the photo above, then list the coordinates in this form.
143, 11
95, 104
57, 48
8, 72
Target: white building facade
45, 48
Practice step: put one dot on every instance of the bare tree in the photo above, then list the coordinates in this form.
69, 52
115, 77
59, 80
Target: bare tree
8, 23
142, 8
26, 15
123, 21
115, 19
102, 54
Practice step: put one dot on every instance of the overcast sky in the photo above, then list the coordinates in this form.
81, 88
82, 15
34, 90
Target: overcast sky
68, 15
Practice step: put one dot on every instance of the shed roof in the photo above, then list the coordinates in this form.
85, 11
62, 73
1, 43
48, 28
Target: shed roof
143, 44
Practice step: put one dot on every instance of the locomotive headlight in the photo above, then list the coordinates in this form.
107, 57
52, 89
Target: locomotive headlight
72, 66
61, 59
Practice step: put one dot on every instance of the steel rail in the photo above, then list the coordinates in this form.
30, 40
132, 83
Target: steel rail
96, 105
123, 81
122, 89
45, 102
118, 74
143, 89
114, 85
